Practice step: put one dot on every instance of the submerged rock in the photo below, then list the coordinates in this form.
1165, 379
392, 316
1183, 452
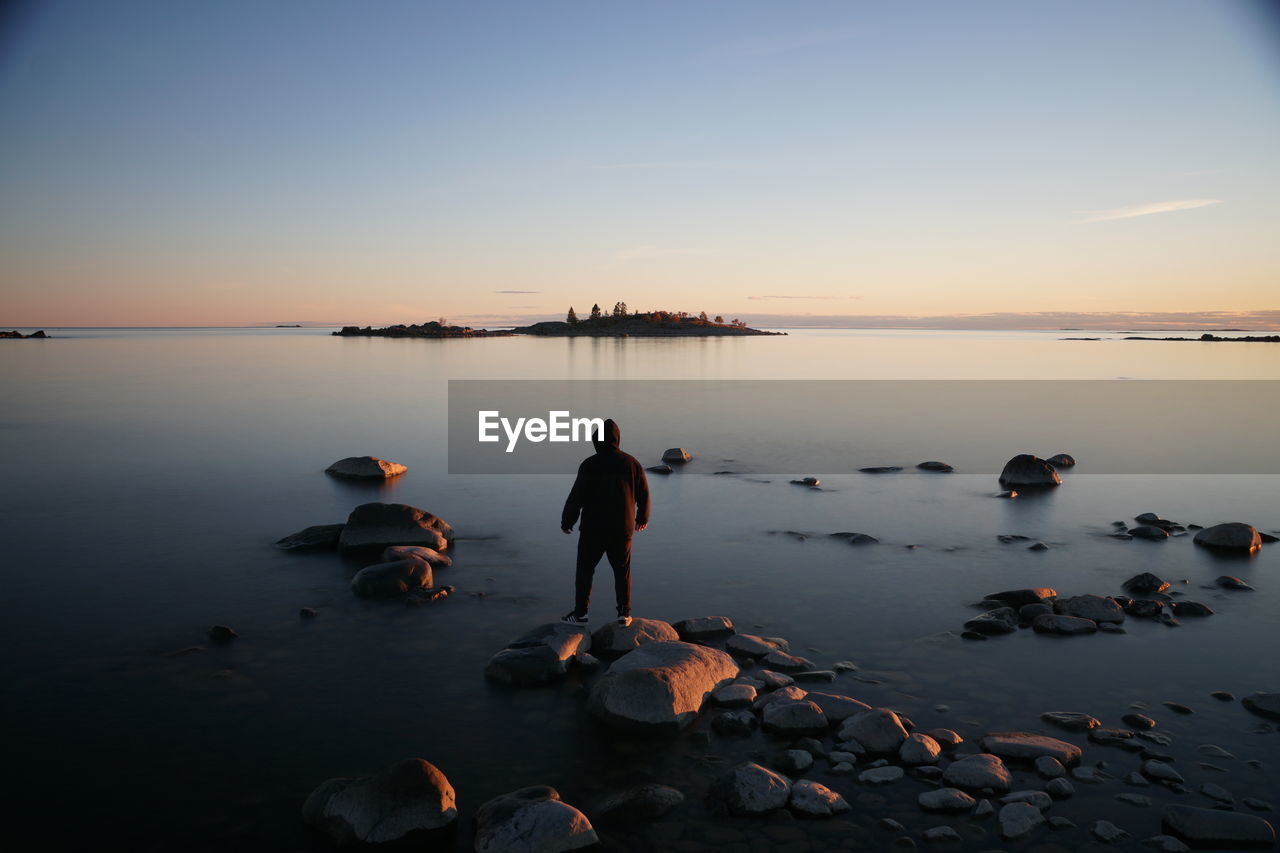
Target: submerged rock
531, 820
1050, 623
1095, 608
855, 538
1230, 582
394, 578
1190, 608
1028, 746
1149, 531
1021, 597
659, 685
1263, 704
750, 789
378, 525
1017, 820
945, 800
649, 801
1072, 721
411, 796
933, 465
314, 538
1027, 470
1217, 828
881, 469
365, 468
1232, 536
1002, 620
659, 469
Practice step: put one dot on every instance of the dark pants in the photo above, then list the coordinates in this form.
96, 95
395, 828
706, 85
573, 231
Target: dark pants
591, 548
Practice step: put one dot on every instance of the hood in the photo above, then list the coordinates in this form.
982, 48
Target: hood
612, 437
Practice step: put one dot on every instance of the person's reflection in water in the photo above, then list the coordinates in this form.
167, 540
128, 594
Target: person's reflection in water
611, 494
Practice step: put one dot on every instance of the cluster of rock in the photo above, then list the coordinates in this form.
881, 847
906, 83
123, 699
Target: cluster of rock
16, 334
405, 545
430, 329
1228, 537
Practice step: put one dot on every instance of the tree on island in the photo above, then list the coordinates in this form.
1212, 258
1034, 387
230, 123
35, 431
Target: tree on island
595, 312
702, 317
572, 319
619, 309
719, 320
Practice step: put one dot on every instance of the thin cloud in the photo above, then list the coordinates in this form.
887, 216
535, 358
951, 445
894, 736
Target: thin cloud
517, 291
1148, 209
798, 296
775, 45
649, 253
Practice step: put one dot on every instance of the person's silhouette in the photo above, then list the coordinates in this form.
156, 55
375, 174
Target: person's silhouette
612, 495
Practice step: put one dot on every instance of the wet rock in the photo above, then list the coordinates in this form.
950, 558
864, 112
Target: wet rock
1039, 799
1264, 704
734, 695
945, 800
1003, 620
790, 693
1018, 820
1190, 608
1145, 608
531, 820
365, 468
919, 749
659, 685
660, 469
750, 789
1138, 721
1216, 792
932, 465
1095, 608
1214, 750
1231, 582
1072, 721
1122, 738
378, 525
794, 761
1232, 536
527, 666
811, 482
941, 835
1217, 828
1107, 832
416, 552
221, 634
384, 580
1088, 775
1052, 623
1149, 531
856, 538
1027, 613
409, 797
1059, 823
812, 799
780, 660
1019, 597
1178, 708
308, 612
1007, 495
984, 808
314, 538
1146, 583
881, 469
614, 639
749, 645
881, 775
976, 772
704, 627
1060, 788
1140, 800
946, 738
823, 675
734, 723
1026, 746
676, 456
1257, 804
1038, 546
645, 802
836, 707
879, 730
1160, 772
1026, 470
1049, 767
1166, 844
1062, 460
774, 680
794, 718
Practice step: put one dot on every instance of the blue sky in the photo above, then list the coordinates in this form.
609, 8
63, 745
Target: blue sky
255, 161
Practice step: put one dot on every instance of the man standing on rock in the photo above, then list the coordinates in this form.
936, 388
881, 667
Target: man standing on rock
612, 496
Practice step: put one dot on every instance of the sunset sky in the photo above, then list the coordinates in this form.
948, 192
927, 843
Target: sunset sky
173, 163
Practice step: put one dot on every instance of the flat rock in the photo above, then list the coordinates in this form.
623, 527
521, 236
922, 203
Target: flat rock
703, 627
1028, 470
1049, 767
1232, 536
1026, 746
394, 578
1096, 608
365, 468
1053, 623
945, 800
315, 538
881, 469
528, 666
976, 772
794, 718
1161, 772
813, 799
1230, 582
881, 775
934, 465
939, 835
1263, 704
411, 796
1072, 721
1217, 828
836, 707
750, 789
879, 730
773, 680
614, 639
734, 695
780, 660
1018, 820
649, 801
531, 820
1030, 595
1002, 620
659, 685
749, 645
378, 525
1166, 844
1107, 832
1039, 799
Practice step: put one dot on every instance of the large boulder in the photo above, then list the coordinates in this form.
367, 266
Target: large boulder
750, 789
1217, 828
412, 796
1026, 470
1232, 536
314, 538
879, 730
539, 656
1096, 608
794, 718
377, 525
976, 772
660, 686
387, 579
531, 820
365, 468
1027, 746
615, 639
813, 799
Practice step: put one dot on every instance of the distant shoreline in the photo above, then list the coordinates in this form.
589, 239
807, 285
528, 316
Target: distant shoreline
656, 325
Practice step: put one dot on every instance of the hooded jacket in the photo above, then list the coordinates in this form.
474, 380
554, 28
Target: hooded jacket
611, 492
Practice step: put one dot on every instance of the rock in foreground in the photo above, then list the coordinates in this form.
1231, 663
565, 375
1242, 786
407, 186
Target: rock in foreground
531, 820
539, 656
365, 468
614, 639
409, 797
379, 525
659, 686
750, 789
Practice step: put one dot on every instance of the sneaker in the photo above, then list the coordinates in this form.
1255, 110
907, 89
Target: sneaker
573, 618
624, 621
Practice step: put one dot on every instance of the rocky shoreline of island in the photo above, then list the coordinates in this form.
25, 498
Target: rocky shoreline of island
620, 323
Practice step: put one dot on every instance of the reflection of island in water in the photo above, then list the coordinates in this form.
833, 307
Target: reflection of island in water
654, 324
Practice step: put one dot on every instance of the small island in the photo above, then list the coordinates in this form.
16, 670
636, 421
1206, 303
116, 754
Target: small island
1254, 339
619, 323
17, 334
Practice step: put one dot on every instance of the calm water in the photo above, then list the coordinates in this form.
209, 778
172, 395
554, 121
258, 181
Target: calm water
147, 474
